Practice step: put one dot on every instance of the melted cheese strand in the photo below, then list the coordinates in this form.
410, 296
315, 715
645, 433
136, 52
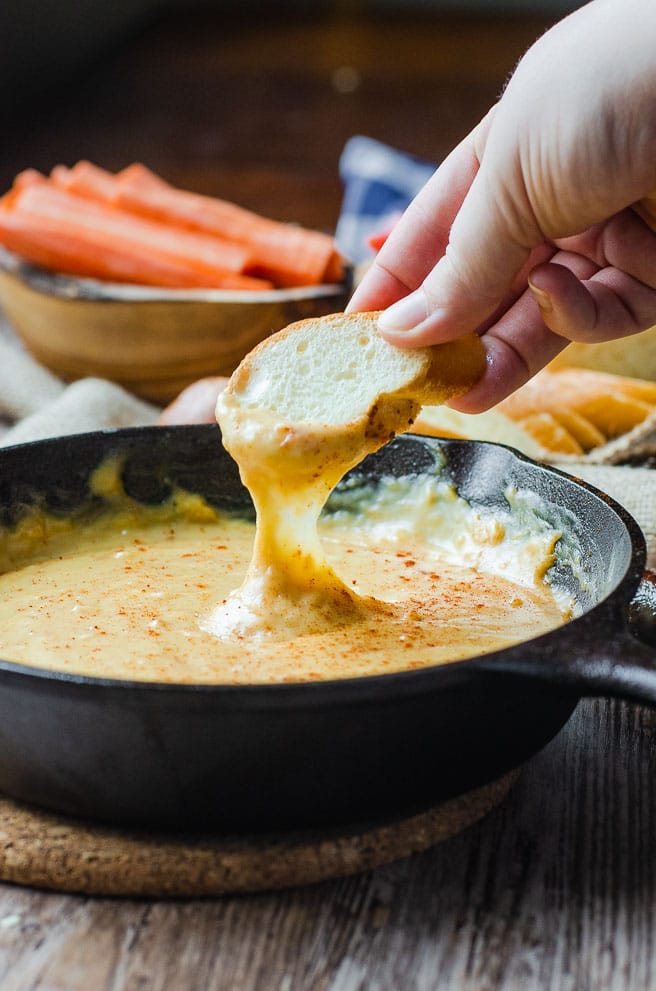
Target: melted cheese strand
290, 471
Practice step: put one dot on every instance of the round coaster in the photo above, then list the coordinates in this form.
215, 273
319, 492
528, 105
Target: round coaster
44, 850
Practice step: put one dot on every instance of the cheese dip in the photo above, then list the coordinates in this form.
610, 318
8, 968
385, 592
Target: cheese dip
131, 593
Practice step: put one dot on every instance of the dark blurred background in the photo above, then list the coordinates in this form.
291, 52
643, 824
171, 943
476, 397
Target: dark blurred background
251, 101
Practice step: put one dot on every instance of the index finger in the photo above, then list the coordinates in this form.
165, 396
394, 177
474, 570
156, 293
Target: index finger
420, 237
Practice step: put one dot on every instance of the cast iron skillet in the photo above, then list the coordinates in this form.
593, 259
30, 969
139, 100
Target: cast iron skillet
294, 755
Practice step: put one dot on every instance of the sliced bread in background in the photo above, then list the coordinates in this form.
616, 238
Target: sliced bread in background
560, 415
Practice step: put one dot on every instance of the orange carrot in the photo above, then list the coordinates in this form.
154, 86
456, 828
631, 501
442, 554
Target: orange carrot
29, 177
68, 234
72, 252
139, 176
85, 179
334, 269
199, 239
377, 239
25, 179
287, 254
208, 254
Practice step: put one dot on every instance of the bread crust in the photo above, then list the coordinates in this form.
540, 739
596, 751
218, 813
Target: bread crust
443, 371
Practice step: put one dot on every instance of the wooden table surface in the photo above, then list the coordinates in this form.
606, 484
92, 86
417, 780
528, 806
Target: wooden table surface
556, 889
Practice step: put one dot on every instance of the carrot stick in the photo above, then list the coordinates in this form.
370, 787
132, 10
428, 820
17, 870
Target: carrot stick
139, 176
377, 239
29, 177
85, 179
140, 209
287, 254
72, 252
25, 179
40, 224
334, 269
210, 255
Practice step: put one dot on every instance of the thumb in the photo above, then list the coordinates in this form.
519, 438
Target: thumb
488, 244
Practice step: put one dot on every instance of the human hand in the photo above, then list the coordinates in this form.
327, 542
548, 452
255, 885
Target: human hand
557, 186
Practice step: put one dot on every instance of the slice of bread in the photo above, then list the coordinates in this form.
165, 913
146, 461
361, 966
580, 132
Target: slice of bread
337, 369
559, 414
633, 356
612, 403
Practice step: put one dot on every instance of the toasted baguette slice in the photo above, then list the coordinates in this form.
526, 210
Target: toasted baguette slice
632, 357
337, 369
492, 425
612, 403
559, 414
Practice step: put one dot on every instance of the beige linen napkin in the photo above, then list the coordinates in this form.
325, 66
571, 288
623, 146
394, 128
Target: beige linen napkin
35, 404
636, 445
634, 488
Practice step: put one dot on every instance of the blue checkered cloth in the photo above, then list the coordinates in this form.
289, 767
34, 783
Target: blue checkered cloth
379, 182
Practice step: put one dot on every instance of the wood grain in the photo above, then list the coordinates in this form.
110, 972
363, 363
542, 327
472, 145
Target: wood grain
554, 890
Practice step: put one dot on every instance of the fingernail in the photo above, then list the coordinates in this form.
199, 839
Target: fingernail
406, 314
542, 298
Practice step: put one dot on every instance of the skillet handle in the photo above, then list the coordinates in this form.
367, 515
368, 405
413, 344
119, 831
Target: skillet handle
642, 610
613, 657
632, 651
622, 663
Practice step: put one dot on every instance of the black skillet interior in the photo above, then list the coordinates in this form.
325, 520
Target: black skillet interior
288, 756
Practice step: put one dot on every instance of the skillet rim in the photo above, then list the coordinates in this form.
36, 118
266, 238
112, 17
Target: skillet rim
403, 682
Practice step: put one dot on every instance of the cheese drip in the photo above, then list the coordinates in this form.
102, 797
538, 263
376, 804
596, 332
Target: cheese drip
290, 470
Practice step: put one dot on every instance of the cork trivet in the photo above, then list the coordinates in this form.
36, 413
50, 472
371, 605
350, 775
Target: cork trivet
43, 850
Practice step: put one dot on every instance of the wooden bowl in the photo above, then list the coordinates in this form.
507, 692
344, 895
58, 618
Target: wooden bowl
152, 341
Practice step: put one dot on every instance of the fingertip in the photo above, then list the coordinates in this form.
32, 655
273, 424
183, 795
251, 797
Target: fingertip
541, 295
566, 306
376, 290
404, 315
